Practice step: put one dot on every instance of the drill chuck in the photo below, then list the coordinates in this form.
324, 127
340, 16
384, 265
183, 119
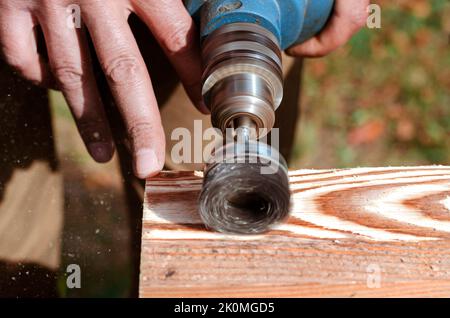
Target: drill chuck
243, 76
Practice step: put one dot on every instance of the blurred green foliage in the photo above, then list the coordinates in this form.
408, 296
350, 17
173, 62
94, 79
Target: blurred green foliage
383, 99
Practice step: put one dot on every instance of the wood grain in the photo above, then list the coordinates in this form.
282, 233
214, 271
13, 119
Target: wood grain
382, 232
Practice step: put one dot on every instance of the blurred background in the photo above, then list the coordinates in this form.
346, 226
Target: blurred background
384, 99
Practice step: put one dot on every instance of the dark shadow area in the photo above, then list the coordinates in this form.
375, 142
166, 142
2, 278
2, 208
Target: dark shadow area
288, 114
25, 126
27, 280
96, 234
26, 137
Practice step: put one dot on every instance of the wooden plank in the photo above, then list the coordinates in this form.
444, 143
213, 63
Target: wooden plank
353, 233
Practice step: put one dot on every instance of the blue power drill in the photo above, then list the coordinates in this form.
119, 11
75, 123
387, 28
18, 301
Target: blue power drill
247, 189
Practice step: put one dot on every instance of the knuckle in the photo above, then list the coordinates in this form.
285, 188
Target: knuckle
139, 130
314, 50
19, 63
122, 70
177, 41
321, 52
68, 77
337, 42
15, 59
359, 19
146, 134
318, 53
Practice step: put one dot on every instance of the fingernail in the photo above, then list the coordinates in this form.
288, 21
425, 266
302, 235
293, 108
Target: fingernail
146, 163
100, 151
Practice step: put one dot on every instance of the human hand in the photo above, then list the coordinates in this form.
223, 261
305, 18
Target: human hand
69, 65
348, 17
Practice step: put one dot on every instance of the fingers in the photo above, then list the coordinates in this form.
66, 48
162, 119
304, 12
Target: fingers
349, 16
19, 47
70, 64
130, 84
175, 31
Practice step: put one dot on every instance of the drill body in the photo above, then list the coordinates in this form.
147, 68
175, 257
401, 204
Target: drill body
291, 21
246, 190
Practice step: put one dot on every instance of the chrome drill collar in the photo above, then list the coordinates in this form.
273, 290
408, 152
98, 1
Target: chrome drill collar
242, 95
243, 74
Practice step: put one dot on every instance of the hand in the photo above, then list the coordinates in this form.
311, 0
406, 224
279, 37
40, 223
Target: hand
69, 65
348, 17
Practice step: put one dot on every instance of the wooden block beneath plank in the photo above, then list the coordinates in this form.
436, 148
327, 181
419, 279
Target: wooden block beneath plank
381, 232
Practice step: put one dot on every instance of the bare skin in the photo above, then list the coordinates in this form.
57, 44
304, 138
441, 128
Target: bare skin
70, 68
349, 16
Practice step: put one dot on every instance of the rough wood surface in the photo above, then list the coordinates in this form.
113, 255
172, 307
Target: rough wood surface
353, 233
